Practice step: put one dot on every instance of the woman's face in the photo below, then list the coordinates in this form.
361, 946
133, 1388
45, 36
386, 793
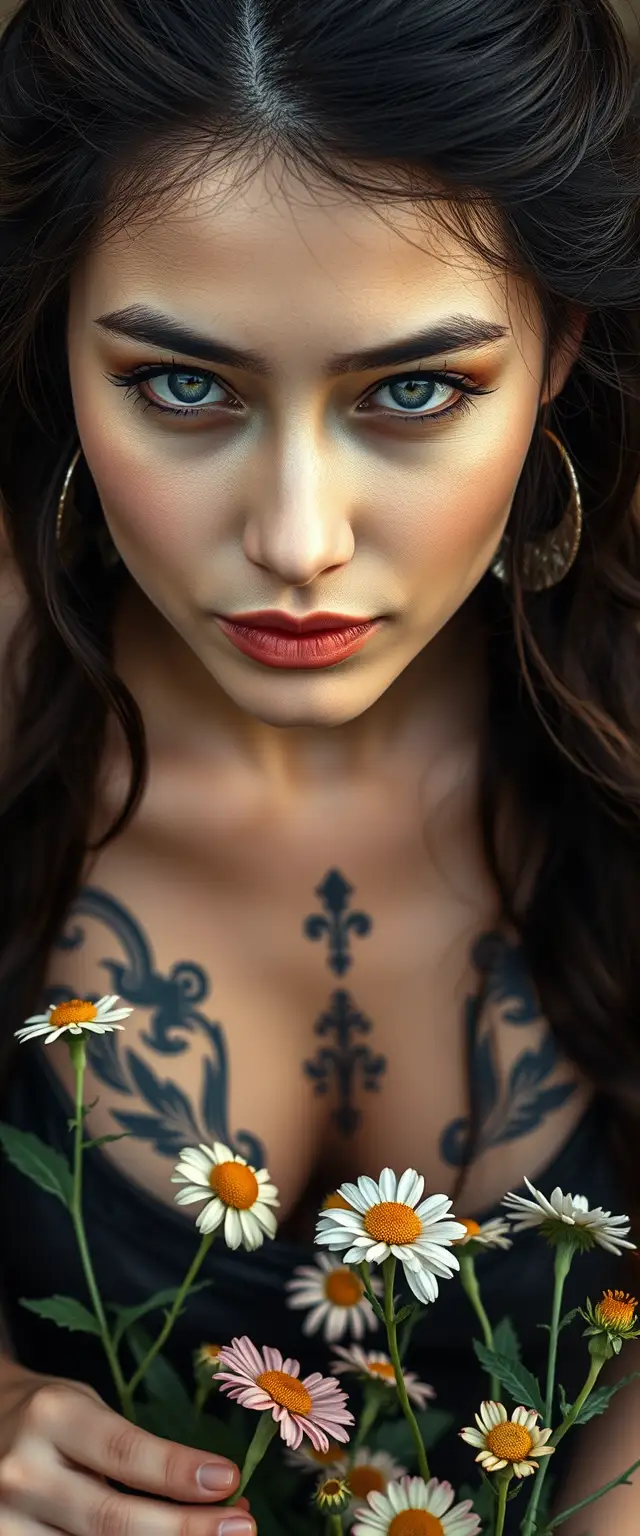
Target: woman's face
293, 480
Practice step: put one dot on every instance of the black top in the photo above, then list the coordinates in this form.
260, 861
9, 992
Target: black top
140, 1246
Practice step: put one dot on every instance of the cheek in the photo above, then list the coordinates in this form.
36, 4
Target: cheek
452, 525
158, 508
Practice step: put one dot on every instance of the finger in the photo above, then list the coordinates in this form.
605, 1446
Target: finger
95, 1437
79, 1505
17, 1525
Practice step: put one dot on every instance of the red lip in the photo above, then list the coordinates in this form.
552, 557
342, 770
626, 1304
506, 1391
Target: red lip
272, 618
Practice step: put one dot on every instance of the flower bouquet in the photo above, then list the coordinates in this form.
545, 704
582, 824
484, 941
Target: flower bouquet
313, 1462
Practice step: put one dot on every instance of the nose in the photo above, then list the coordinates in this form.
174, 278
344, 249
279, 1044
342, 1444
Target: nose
299, 527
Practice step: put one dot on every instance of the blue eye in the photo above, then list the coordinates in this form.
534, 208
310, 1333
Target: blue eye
190, 387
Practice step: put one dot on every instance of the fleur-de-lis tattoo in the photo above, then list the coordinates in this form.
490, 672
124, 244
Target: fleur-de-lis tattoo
347, 1062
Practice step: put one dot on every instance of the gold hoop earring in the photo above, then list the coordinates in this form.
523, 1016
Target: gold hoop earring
547, 560
63, 497
108, 552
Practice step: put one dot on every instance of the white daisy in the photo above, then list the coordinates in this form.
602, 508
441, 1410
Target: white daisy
370, 1472
237, 1195
514, 1442
307, 1459
487, 1234
568, 1218
355, 1361
389, 1217
415, 1508
336, 1296
74, 1018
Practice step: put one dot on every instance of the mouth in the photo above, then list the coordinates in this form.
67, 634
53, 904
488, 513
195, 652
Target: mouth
310, 646
314, 623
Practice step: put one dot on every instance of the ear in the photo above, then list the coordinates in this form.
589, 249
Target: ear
566, 353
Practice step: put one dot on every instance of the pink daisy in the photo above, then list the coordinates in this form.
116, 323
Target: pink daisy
315, 1406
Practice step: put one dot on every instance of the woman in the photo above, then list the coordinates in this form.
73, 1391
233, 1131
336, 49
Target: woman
330, 311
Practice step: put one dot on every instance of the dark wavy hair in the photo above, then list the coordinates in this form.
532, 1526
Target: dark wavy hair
512, 123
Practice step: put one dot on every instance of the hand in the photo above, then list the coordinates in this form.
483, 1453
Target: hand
59, 1443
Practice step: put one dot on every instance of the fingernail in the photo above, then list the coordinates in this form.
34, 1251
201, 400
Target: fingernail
215, 1476
236, 1527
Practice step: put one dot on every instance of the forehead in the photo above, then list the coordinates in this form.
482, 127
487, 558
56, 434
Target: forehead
268, 247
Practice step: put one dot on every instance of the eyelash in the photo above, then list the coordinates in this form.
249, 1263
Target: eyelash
132, 380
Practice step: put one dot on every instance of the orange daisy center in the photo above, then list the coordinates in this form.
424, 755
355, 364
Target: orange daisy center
509, 1442
473, 1227
210, 1352
416, 1522
325, 1458
331, 1488
235, 1184
335, 1202
343, 1289
382, 1368
287, 1391
365, 1479
617, 1310
391, 1222
74, 1012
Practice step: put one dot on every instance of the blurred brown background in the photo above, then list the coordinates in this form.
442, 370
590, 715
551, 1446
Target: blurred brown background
628, 10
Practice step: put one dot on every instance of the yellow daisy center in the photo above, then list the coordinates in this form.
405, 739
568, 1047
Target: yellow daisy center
343, 1289
391, 1222
617, 1310
382, 1368
235, 1184
473, 1227
416, 1522
287, 1391
509, 1442
331, 1489
335, 1202
74, 1012
365, 1479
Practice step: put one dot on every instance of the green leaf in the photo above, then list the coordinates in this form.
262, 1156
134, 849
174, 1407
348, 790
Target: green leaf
39, 1162
86, 1110
65, 1311
564, 1322
515, 1377
161, 1381
99, 1141
506, 1341
127, 1316
396, 1437
562, 1399
406, 1312
599, 1400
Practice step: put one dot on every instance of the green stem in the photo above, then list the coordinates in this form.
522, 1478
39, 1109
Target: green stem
264, 1434
370, 1413
203, 1393
389, 1269
472, 1290
503, 1489
596, 1367
616, 1482
335, 1526
564, 1259
78, 1059
171, 1315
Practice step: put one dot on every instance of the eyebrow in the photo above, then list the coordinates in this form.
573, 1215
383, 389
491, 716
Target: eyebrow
455, 333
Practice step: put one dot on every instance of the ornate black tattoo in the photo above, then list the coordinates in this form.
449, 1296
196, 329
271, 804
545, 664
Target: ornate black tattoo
347, 1061
171, 1122
505, 1112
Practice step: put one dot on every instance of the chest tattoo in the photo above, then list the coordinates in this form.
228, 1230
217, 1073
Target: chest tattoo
169, 1121
344, 1062
505, 1110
